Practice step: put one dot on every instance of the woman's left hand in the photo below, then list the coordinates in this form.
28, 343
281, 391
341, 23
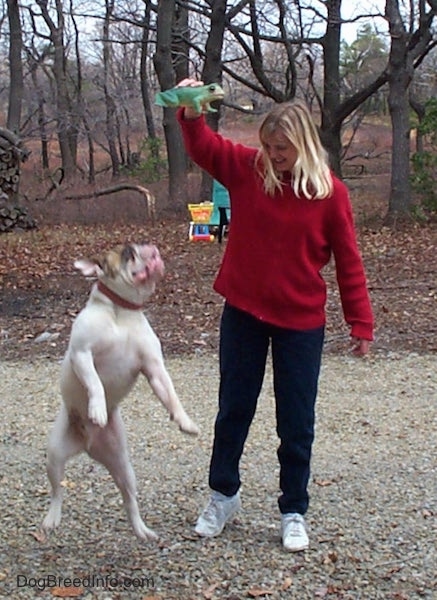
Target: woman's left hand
360, 347
190, 113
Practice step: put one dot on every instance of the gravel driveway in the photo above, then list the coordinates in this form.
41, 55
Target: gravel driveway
372, 515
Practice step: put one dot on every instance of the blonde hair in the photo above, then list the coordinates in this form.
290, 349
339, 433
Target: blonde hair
311, 175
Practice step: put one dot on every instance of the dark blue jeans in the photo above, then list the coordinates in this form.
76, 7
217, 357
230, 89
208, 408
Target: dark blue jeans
296, 357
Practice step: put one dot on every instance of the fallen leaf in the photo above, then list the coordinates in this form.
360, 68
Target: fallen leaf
330, 558
209, 592
258, 592
324, 482
287, 583
68, 484
39, 535
388, 575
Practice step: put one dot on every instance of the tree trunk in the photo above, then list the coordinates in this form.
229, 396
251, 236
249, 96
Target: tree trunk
399, 79
180, 38
64, 111
33, 66
111, 129
212, 73
15, 68
79, 115
176, 155
82, 113
400, 189
144, 79
91, 165
330, 127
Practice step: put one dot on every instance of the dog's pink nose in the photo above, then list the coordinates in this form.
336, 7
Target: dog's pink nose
141, 276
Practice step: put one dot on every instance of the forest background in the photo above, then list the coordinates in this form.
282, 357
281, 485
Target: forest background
82, 150
98, 162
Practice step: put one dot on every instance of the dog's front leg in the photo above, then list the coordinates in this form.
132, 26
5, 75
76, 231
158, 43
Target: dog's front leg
162, 385
83, 366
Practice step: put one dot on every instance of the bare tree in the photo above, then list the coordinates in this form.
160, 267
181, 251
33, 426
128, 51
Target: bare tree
180, 41
13, 123
34, 60
81, 111
212, 71
164, 67
66, 129
15, 67
268, 50
408, 44
408, 47
109, 100
330, 126
144, 79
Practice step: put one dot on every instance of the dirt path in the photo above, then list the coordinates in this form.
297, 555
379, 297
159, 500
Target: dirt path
373, 492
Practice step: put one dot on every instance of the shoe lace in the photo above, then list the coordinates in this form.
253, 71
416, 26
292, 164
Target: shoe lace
212, 510
294, 526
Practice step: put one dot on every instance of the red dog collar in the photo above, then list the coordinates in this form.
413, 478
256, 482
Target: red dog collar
116, 299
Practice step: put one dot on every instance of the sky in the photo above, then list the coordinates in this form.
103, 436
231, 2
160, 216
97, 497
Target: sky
354, 8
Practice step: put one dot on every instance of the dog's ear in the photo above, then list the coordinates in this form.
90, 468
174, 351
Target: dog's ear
111, 263
117, 259
89, 267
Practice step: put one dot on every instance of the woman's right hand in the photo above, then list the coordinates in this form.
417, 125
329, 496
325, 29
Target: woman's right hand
190, 113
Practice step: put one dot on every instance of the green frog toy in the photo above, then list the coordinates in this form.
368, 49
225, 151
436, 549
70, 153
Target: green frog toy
197, 97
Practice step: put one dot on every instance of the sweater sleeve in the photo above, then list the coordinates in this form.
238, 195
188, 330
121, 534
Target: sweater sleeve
349, 266
219, 156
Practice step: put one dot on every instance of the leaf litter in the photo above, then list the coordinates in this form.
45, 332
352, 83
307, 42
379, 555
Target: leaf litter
372, 517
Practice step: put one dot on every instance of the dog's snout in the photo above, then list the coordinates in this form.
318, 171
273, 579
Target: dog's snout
149, 253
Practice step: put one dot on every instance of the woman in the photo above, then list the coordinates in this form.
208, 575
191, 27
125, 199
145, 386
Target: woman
289, 215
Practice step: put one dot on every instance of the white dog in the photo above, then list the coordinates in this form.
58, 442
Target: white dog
111, 343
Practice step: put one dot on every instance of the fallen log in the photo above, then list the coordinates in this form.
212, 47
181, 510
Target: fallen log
148, 196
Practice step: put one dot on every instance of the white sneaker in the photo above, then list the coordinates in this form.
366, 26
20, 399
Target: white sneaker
294, 535
219, 510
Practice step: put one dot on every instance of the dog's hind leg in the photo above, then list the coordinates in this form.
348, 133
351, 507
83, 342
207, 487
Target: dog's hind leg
109, 447
65, 441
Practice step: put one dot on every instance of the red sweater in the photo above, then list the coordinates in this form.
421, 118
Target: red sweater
278, 245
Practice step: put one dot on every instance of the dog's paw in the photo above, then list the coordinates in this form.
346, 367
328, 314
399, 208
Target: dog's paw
98, 414
187, 425
144, 533
52, 519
